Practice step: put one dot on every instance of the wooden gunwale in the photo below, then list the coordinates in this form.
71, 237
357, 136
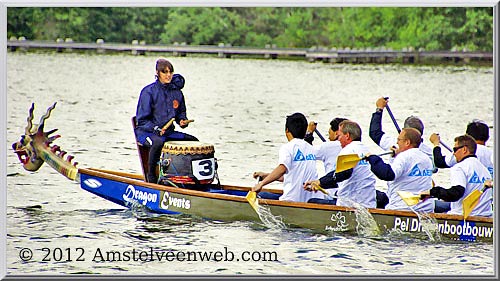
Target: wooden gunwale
139, 180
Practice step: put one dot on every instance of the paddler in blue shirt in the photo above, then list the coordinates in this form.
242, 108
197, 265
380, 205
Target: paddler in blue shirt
159, 103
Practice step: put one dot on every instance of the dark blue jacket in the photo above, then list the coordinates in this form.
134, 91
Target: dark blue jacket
158, 103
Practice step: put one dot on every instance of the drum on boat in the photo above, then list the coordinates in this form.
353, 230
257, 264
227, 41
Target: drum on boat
187, 162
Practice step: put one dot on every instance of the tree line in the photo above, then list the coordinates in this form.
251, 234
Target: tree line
430, 28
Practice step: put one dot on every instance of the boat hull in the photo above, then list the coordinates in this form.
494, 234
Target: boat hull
228, 203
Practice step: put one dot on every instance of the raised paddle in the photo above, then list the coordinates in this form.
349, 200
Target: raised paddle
471, 201
392, 116
399, 130
349, 161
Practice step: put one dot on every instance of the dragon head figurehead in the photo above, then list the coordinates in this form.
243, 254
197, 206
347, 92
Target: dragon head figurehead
34, 148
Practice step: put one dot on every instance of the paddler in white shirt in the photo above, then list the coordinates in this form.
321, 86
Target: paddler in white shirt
297, 164
467, 175
481, 133
387, 142
356, 184
410, 170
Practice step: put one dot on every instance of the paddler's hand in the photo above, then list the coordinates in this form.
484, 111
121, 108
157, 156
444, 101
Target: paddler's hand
394, 150
259, 175
158, 131
435, 139
258, 187
184, 123
381, 103
311, 127
424, 195
488, 183
311, 185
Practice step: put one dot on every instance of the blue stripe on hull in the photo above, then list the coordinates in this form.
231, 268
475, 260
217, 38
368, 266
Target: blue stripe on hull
123, 194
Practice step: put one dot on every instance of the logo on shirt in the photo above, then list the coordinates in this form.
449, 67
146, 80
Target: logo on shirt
475, 179
490, 169
300, 156
416, 172
175, 104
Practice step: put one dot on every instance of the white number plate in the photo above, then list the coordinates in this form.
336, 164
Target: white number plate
203, 169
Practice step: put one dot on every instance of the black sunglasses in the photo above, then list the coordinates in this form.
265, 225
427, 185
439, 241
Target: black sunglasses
455, 149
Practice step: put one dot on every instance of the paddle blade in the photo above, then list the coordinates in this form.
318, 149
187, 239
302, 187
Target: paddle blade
409, 198
252, 200
470, 202
346, 162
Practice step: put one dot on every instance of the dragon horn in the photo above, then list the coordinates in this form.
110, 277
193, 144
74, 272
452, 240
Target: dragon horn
45, 116
27, 130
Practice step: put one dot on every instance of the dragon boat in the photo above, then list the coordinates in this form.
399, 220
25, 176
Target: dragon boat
188, 184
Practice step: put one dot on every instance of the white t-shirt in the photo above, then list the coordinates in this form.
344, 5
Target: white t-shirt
484, 155
386, 142
328, 152
413, 172
360, 187
298, 157
471, 174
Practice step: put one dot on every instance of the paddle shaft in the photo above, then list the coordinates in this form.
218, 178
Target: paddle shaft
319, 135
399, 129
393, 119
445, 146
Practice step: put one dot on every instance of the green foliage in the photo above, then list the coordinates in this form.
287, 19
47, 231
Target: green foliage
294, 27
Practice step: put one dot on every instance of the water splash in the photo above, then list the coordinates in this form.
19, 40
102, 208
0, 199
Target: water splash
428, 225
366, 224
268, 219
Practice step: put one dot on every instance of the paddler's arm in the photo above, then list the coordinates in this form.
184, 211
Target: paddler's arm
376, 132
332, 179
309, 133
381, 169
439, 159
449, 195
276, 174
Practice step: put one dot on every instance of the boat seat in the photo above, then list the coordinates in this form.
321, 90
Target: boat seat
142, 149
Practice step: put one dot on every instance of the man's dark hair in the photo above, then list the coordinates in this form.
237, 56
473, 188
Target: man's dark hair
334, 124
414, 122
468, 141
296, 125
478, 130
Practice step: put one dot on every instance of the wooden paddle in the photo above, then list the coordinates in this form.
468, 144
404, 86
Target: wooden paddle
252, 198
409, 198
318, 187
349, 161
471, 201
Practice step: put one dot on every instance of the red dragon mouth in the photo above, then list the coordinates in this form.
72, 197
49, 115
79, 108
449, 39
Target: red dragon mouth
21, 153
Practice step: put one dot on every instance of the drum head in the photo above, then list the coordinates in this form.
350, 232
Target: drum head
187, 147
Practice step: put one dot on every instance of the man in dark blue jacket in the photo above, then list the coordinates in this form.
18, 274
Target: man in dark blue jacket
159, 102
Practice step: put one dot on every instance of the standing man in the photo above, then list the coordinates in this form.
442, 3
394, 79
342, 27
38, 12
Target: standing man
411, 170
159, 102
296, 164
466, 176
356, 184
